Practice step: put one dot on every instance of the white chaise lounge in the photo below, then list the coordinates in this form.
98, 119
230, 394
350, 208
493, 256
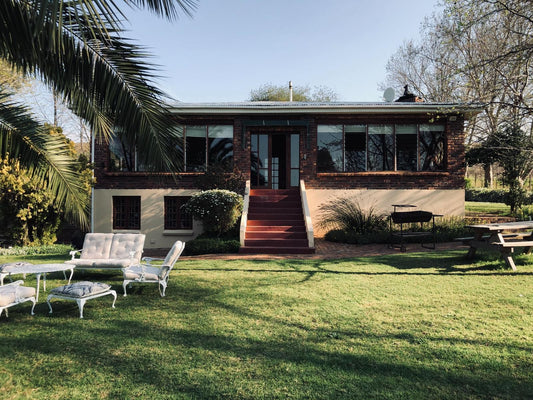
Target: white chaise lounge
108, 251
14, 293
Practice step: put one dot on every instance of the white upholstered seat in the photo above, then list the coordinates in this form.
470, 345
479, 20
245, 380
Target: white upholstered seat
14, 293
145, 272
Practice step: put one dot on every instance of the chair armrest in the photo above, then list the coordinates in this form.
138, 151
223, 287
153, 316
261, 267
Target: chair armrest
16, 283
72, 253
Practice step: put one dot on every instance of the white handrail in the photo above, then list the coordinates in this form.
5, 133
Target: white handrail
307, 215
244, 216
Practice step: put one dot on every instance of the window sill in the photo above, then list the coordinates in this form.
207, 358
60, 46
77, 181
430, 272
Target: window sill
144, 173
178, 232
385, 173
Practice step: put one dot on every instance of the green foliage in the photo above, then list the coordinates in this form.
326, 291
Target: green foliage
271, 92
218, 177
211, 246
54, 249
27, 209
217, 209
345, 214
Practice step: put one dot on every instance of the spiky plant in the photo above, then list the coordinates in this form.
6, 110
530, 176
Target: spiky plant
345, 213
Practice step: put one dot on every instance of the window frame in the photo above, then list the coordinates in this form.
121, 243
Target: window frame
182, 222
441, 146
131, 208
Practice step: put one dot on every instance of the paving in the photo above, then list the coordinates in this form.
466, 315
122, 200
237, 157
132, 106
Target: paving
328, 250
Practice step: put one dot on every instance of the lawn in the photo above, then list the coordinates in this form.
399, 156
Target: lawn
485, 208
405, 326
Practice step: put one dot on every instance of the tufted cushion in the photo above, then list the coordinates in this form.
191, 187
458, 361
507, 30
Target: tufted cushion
81, 289
174, 253
10, 267
12, 293
96, 245
100, 263
124, 243
135, 273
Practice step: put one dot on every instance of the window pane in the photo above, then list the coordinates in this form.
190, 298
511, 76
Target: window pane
380, 148
121, 155
355, 147
431, 147
406, 148
127, 212
195, 148
175, 216
329, 141
220, 143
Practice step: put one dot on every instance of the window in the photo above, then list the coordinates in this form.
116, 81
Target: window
175, 216
329, 142
406, 148
380, 148
127, 212
431, 148
121, 155
355, 148
208, 145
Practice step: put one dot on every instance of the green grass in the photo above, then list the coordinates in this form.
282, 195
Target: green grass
475, 207
426, 325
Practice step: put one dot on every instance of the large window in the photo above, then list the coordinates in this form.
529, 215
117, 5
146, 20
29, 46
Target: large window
355, 148
208, 145
175, 217
127, 212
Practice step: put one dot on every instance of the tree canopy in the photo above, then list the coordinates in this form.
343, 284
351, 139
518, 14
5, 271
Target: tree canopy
271, 92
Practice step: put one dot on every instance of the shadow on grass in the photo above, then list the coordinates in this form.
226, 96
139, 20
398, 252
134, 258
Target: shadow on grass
206, 364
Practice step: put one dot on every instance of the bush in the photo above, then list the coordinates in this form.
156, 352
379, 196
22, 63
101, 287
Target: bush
220, 177
345, 214
61, 249
493, 195
211, 246
218, 209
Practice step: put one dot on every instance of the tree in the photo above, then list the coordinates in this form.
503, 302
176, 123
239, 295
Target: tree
473, 51
271, 92
77, 48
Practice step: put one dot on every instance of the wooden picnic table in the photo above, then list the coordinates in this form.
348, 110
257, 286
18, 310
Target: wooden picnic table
503, 237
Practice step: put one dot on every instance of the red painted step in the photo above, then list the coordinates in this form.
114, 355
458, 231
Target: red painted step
275, 223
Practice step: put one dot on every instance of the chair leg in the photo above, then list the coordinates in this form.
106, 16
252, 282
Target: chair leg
81, 303
124, 286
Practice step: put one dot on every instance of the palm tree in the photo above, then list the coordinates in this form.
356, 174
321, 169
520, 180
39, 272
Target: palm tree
77, 48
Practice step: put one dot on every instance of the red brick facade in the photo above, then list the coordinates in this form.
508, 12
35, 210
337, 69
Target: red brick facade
306, 126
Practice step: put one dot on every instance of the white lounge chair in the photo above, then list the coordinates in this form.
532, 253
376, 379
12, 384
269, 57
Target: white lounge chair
145, 272
14, 293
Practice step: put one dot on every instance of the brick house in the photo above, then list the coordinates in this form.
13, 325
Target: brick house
380, 153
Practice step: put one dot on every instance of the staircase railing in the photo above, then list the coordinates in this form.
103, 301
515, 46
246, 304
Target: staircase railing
244, 216
307, 215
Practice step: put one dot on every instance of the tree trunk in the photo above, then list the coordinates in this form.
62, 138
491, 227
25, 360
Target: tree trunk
489, 175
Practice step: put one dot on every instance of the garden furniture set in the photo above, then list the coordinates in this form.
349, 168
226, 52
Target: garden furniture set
100, 251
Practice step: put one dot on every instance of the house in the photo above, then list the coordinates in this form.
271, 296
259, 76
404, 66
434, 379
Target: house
380, 153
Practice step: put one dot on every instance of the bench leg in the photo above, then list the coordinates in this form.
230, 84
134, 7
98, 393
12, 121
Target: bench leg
81, 303
507, 256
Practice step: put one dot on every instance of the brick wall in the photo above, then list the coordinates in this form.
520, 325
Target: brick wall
452, 178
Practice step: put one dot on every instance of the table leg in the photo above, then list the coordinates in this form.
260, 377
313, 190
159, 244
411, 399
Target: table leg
38, 277
509, 259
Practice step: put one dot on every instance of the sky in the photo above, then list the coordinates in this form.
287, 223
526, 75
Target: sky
231, 47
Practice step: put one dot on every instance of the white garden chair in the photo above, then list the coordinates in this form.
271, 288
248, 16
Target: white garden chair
145, 272
14, 293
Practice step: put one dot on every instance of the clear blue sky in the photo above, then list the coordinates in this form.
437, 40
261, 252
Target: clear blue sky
230, 47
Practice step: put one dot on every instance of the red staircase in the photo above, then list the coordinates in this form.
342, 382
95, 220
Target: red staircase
275, 223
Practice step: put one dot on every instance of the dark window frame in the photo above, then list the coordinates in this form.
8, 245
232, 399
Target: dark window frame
126, 212
174, 216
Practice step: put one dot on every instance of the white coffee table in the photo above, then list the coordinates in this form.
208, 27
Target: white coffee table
38, 270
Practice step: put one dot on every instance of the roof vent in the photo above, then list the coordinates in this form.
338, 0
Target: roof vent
409, 97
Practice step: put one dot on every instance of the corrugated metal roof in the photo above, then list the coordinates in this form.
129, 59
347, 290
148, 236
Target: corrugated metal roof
282, 107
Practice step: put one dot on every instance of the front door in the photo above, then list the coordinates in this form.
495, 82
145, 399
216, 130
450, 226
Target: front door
275, 160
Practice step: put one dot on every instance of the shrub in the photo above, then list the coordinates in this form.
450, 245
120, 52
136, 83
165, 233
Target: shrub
218, 209
35, 250
211, 246
345, 214
220, 177
493, 195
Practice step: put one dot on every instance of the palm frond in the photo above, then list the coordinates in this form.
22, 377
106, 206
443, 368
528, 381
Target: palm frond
47, 158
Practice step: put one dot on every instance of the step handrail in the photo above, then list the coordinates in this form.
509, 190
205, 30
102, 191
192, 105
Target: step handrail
244, 216
307, 215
